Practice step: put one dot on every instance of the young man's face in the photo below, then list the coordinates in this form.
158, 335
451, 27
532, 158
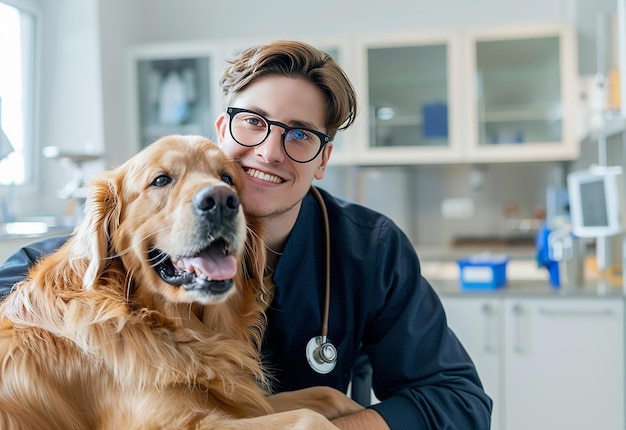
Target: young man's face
275, 183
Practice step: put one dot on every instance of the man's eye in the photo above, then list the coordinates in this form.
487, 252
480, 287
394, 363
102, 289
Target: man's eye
162, 181
256, 122
228, 179
299, 135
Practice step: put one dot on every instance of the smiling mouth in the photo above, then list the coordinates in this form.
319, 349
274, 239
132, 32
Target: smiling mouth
264, 176
210, 270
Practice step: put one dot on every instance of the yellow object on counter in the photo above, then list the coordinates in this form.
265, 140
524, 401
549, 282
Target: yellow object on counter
613, 275
613, 90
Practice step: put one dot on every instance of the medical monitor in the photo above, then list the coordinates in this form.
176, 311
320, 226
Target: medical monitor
596, 201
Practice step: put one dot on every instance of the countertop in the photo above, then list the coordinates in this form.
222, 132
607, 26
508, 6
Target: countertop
524, 279
530, 289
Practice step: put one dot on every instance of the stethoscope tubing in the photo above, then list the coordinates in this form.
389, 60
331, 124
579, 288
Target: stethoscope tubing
320, 352
326, 316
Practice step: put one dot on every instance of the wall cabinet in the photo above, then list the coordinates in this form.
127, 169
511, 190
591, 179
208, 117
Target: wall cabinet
547, 363
522, 98
449, 96
494, 95
411, 98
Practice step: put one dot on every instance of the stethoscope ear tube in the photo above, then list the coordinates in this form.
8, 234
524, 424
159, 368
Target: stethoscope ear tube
320, 352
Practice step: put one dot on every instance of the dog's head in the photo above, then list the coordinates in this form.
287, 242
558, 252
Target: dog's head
173, 216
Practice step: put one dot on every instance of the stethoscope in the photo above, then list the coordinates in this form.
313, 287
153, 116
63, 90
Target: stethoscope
320, 352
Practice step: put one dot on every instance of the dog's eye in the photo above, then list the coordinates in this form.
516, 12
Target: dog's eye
162, 181
228, 179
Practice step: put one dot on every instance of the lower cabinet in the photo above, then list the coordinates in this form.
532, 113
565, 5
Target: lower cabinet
547, 363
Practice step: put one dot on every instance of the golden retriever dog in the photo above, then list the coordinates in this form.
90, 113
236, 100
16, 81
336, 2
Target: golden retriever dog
151, 315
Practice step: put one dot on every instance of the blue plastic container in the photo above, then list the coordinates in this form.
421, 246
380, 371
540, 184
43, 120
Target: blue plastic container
483, 272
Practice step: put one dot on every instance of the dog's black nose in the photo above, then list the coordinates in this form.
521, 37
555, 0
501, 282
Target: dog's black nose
217, 203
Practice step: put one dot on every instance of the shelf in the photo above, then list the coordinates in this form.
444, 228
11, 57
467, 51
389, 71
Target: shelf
513, 114
400, 121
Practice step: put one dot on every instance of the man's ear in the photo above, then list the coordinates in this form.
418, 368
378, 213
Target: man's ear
321, 169
220, 126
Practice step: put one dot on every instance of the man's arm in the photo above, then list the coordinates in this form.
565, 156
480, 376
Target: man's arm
343, 412
367, 419
421, 372
16, 267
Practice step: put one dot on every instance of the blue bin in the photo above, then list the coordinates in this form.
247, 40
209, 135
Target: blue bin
482, 273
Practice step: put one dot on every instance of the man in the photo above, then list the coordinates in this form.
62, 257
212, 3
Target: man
284, 102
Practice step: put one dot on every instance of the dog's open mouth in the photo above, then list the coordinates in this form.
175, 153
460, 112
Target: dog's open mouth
212, 268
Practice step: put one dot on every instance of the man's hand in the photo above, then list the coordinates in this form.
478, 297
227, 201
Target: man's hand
367, 419
327, 401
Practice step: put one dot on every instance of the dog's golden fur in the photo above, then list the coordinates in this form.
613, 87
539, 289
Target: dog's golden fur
95, 339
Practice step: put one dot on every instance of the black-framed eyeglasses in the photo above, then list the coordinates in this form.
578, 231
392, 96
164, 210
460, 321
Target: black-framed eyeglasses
250, 128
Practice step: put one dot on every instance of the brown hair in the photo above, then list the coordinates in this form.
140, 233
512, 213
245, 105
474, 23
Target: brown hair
296, 60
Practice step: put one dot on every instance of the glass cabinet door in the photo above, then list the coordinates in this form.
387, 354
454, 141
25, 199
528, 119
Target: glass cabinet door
408, 96
411, 96
518, 91
173, 97
521, 94
174, 91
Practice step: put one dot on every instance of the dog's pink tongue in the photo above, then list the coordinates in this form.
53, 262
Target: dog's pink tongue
214, 265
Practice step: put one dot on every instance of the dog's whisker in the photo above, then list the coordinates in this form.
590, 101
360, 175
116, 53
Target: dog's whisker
119, 254
147, 236
253, 233
158, 259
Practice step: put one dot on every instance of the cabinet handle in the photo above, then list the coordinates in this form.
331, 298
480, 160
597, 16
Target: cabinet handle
487, 311
518, 312
575, 312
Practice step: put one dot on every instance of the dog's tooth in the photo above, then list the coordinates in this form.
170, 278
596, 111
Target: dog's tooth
197, 272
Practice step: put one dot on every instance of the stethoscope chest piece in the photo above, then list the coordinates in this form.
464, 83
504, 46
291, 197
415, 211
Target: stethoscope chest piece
321, 354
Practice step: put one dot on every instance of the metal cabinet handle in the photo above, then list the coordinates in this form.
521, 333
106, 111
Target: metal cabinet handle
548, 312
488, 311
518, 313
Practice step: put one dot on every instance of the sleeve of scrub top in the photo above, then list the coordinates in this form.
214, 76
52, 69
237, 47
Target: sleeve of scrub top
16, 267
431, 382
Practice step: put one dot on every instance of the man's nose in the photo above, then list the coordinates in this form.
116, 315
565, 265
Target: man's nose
272, 148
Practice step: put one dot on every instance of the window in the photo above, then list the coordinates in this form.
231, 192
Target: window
17, 54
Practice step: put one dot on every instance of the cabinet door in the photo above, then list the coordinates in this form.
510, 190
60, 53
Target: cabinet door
174, 90
477, 322
411, 113
523, 93
564, 364
342, 51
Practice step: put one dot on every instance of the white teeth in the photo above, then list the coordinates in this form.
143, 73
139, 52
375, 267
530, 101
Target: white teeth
179, 264
264, 176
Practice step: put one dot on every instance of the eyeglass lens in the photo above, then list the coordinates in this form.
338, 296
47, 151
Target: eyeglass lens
250, 129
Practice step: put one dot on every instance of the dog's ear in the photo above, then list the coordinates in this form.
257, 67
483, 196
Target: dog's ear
93, 235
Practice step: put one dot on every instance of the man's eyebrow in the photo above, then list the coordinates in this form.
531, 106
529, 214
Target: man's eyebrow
292, 123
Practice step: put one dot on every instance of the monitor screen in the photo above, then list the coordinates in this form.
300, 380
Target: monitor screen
593, 203
596, 201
